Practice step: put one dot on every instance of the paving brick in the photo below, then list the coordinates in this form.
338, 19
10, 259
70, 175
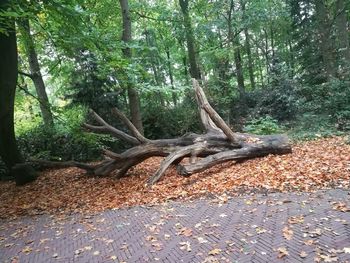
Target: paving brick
243, 231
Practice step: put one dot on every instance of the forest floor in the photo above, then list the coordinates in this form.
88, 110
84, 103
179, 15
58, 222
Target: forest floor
313, 165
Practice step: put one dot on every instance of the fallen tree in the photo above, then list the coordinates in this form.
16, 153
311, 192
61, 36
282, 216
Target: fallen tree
218, 144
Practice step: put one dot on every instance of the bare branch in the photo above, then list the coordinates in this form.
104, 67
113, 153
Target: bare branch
130, 126
214, 116
199, 147
106, 128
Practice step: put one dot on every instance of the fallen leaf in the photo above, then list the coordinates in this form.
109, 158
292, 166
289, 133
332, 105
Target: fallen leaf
185, 246
329, 258
187, 232
27, 250
214, 252
340, 206
282, 252
287, 233
296, 219
303, 254
309, 242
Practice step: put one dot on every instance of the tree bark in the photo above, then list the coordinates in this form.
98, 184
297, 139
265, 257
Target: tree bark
324, 31
191, 50
248, 48
8, 79
35, 73
234, 40
343, 33
133, 96
171, 76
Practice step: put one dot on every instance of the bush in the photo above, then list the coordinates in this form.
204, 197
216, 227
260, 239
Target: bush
43, 143
161, 122
330, 98
311, 126
262, 126
67, 141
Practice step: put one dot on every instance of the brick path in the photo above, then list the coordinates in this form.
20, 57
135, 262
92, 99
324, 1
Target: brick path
244, 229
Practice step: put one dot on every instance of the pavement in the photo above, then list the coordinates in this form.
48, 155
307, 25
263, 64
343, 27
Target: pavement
278, 227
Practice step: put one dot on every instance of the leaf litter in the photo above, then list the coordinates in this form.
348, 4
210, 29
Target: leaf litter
313, 165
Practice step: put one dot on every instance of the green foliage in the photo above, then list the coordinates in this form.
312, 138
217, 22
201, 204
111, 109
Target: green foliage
66, 142
42, 143
262, 126
311, 126
169, 122
330, 98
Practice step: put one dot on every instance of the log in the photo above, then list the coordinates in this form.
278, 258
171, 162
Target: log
217, 145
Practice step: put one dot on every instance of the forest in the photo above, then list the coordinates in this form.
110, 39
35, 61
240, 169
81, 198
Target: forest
258, 67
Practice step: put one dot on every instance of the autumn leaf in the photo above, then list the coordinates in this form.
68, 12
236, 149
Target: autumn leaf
329, 258
282, 252
313, 165
340, 206
287, 233
27, 250
157, 246
187, 232
214, 252
296, 219
185, 246
303, 254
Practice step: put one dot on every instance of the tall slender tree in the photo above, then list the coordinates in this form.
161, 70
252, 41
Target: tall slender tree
35, 73
134, 99
190, 40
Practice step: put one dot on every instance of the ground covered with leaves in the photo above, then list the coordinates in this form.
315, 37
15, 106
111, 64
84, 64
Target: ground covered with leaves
313, 165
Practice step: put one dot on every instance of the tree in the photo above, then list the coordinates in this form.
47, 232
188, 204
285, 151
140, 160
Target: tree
191, 50
9, 152
343, 34
134, 100
326, 46
35, 73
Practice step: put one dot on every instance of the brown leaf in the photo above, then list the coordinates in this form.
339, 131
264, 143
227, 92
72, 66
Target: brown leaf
287, 233
187, 232
214, 252
282, 252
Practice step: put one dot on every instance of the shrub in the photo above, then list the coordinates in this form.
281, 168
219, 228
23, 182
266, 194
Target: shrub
311, 126
262, 126
67, 141
162, 122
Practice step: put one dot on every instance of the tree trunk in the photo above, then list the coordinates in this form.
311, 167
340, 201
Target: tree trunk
237, 58
248, 48
8, 78
324, 31
133, 96
250, 60
158, 78
219, 144
240, 77
35, 73
191, 50
343, 34
171, 76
